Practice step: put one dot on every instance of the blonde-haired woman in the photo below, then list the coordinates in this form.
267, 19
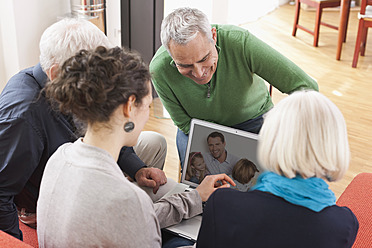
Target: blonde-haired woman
303, 142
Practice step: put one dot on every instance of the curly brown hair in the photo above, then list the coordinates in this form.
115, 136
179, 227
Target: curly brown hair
92, 84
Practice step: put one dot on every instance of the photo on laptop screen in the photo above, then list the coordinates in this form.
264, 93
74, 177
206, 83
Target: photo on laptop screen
215, 149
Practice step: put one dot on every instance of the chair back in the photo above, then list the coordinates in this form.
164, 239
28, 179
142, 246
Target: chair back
363, 8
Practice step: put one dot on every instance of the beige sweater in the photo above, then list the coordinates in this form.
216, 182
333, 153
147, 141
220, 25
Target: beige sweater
86, 201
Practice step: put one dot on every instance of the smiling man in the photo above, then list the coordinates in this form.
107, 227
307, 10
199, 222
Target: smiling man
196, 59
217, 73
219, 160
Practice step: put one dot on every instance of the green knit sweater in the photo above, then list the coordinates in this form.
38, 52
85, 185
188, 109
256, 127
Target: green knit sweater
237, 89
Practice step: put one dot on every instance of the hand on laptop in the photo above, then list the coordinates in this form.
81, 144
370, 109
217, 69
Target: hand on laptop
213, 182
151, 177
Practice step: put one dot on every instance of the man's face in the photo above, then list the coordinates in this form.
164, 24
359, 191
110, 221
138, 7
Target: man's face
197, 59
216, 147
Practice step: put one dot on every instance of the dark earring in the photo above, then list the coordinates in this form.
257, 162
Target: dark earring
128, 126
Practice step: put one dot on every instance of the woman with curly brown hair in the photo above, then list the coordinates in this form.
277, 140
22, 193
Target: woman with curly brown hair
92, 201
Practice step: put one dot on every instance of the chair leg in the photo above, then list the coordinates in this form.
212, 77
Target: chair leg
357, 44
364, 41
319, 10
347, 22
297, 16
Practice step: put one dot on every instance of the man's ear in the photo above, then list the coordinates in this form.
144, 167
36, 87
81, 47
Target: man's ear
53, 72
214, 35
129, 106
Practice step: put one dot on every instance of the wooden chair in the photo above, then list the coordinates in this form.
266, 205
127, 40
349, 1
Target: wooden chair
319, 5
365, 22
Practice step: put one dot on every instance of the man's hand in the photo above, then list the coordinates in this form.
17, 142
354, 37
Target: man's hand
151, 177
213, 182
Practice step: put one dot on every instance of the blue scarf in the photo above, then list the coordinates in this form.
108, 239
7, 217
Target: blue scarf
312, 193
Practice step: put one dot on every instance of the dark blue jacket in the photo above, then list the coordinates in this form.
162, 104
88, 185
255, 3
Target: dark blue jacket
258, 219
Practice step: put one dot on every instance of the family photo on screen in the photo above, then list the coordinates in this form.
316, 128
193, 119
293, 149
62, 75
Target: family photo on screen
216, 159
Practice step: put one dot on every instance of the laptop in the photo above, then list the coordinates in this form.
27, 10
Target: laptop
238, 144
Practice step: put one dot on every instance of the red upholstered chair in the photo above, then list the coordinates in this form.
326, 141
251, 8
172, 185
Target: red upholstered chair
29, 235
319, 5
365, 22
7, 240
358, 197
29, 238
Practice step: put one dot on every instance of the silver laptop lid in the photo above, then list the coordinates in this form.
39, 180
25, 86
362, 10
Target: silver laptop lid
237, 143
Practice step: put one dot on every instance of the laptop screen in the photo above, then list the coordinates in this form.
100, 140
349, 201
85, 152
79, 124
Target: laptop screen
215, 149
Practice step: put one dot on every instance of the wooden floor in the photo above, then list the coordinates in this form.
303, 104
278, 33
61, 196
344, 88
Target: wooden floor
347, 87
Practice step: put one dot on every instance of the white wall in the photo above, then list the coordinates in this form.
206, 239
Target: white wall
203, 5
8, 44
113, 22
22, 23
243, 11
2, 64
236, 12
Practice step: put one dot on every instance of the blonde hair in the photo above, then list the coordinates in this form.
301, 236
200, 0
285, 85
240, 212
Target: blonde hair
191, 171
305, 134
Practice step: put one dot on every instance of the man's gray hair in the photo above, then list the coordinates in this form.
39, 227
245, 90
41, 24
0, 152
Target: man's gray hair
66, 37
182, 26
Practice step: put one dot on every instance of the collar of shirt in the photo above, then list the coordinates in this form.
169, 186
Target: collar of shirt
227, 160
40, 76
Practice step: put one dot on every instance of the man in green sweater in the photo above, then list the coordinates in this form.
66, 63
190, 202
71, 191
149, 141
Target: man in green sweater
217, 73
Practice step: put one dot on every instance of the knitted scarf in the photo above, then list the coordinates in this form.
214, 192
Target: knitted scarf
312, 193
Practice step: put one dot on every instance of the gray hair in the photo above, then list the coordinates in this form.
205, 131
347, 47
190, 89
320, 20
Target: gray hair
182, 26
66, 37
305, 134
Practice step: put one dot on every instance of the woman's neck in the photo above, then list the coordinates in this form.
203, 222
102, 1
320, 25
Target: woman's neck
105, 139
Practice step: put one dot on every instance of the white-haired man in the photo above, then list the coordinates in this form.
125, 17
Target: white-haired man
30, 130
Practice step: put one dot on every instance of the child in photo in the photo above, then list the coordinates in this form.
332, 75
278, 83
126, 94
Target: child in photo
196, 169
244, 174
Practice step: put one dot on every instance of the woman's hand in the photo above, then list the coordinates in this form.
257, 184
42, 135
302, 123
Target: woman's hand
213, 182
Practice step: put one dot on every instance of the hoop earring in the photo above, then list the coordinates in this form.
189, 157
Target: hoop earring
128, 126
